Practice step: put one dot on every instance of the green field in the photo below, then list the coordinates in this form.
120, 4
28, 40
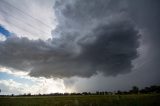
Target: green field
86, 100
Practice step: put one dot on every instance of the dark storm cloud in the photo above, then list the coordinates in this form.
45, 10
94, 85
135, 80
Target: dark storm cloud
114, 48
92, 36
147, 17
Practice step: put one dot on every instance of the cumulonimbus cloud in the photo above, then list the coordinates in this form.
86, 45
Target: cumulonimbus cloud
88, 39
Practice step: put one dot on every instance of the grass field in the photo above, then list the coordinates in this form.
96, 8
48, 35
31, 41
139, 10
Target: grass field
94, 100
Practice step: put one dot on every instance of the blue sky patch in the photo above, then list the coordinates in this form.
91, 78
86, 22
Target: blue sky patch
6, 76
4, 31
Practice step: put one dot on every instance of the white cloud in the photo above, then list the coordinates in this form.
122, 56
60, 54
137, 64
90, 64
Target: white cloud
34, 19
2, 37
12, 71
10, 87
39, 85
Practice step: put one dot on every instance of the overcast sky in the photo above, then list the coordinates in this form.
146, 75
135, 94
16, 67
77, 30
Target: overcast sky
78, 45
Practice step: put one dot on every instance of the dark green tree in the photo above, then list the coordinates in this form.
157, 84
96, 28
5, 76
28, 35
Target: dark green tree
135, 89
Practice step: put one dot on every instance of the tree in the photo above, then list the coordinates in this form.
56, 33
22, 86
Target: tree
119, 92
135, 89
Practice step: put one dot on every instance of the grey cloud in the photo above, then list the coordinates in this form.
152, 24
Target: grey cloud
91, 37
146, 14
114, 48
111, 53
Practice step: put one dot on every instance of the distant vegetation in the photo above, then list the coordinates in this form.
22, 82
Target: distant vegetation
149, 96
135, 90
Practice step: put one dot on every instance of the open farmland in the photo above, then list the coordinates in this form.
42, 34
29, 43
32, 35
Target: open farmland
83, 100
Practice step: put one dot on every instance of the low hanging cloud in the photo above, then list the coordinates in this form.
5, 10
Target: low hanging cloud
92, 36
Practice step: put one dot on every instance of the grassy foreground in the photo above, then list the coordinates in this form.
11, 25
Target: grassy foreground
93, 100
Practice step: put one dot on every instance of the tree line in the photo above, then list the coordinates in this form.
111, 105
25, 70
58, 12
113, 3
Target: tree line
134, 90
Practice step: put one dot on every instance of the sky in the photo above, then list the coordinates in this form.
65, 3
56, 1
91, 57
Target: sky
49, 46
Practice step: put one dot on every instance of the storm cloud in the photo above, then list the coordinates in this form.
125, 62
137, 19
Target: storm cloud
147, 18
91, 36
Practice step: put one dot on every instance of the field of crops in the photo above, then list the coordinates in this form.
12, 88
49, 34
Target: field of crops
86, 100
